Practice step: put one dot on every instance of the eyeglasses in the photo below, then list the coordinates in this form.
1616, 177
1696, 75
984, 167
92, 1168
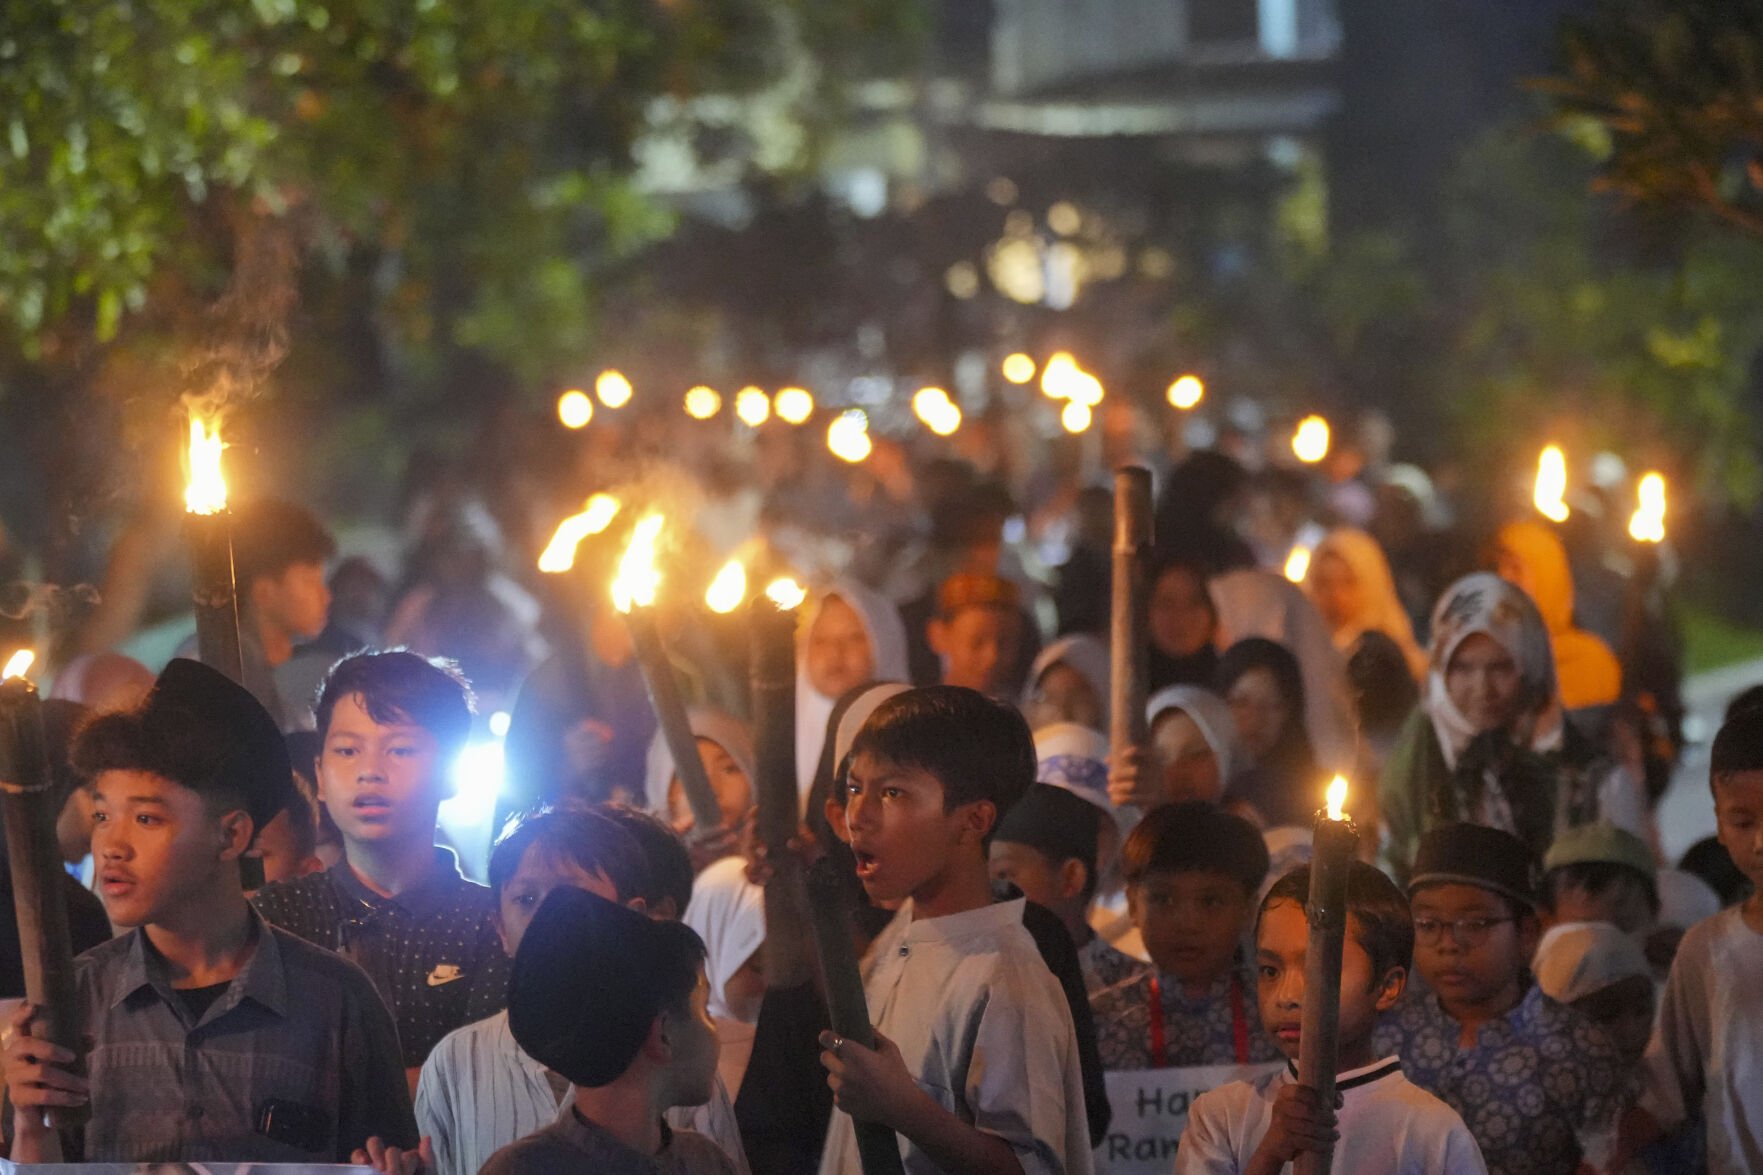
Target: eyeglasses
1469, 932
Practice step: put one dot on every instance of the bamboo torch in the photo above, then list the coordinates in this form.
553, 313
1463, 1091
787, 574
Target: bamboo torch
1130, 648
1319, 1036
829, 903
34, 856
789, 944
208, 527
633, 593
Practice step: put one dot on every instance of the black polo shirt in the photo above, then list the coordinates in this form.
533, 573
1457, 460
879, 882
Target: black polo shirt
432, 951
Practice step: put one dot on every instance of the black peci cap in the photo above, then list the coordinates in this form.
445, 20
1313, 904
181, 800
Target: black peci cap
1474, 854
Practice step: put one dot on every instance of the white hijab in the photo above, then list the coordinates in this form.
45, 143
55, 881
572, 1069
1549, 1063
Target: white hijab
724, 730
1086, 654
1209, 712
887, 650
728, 912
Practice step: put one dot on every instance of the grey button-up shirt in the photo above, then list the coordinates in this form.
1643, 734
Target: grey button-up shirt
299, 1043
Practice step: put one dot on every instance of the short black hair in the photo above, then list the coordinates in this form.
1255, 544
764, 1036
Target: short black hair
1380, 919
183, 753
580, 835
976, 747
1739, 745
401, 686
1597, 878
1709, 860
1059, 824
667, 871
271, 535
1195, 837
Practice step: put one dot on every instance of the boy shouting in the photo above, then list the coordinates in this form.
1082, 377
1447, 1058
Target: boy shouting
976, 1066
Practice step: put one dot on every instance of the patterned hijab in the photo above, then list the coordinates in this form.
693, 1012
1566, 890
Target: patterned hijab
1485, 604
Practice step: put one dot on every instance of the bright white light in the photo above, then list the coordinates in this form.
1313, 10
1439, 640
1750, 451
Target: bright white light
478, 775
499, 723
1186, 392
1310, 442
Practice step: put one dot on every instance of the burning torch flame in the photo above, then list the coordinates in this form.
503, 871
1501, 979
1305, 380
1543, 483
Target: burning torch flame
728, 589
1186, 392
848, 436
1298, 564
793, 405
1648, 523
18, 663
1337, 798
937, 411
1075, 416
613, 389
1551, 487
786, 593
752, 406
703, 402
574, 409
1018, 368
638, 577
596, 516
1310, 442
206, 493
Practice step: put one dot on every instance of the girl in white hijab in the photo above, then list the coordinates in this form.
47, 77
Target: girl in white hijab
726, 749
1350, 583
1068, 682
852, 635
728, 912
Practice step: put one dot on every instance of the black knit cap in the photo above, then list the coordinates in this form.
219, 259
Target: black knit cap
589, 979
1055, 821
1474, 854
241, 748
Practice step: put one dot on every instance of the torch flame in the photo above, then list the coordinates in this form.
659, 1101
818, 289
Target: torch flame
728, 589
1648, 523
752, 406
1310, 442
1337, 798
786, 593
575, 409
1056, 376
638, 577
596, 516
1018, 368
1075, 416
1551, 487
848, 436
613, 388
793, 405
1186, 392
206, 493
938, 413
1298, 564
18, 663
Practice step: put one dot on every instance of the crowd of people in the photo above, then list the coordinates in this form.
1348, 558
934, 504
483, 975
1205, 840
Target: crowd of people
284, 961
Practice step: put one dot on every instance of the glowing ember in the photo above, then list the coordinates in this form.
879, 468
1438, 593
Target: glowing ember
793, 405
1298, 564
1551, 484
728, 589
596, 516
1186, 392
638, 576
206, 493
752, 406
1648, 523
613, 389
18, 663
1310, 442
786, 593
848, 436
1018, 368
1076, 416
1337, 798
702, 403
575, 409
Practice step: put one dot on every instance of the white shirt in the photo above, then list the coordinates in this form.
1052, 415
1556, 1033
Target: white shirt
479, 1091
1707, 1048
1388, 1126
985, 1030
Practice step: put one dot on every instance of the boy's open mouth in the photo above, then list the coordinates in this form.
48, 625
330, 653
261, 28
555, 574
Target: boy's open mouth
866, 863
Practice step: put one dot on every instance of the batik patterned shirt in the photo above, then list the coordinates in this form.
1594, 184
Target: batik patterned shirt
1104, 965
1534, 1080
1220, 1027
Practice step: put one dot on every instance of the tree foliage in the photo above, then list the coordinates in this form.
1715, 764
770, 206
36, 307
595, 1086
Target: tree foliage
1671, 93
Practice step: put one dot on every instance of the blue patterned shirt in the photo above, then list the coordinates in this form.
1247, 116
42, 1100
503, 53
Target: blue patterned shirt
1202, 1031
1533, 1080
1104, 966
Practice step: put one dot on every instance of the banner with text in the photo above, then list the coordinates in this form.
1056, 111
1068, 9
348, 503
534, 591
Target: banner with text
1151, 1110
